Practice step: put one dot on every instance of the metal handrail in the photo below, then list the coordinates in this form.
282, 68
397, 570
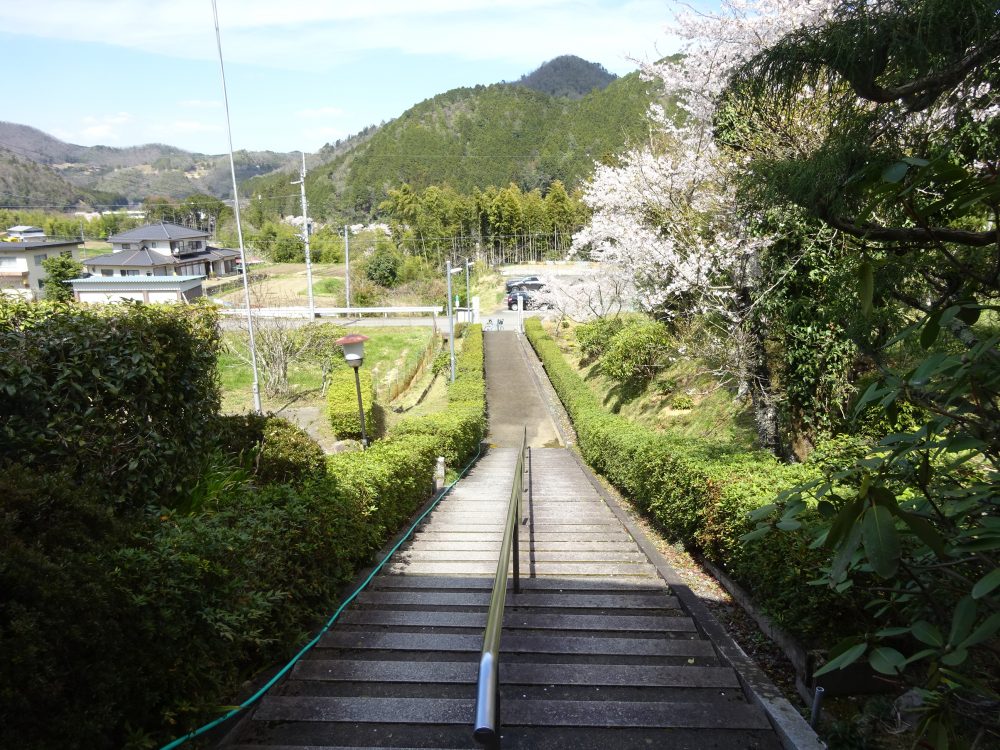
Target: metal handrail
487, 728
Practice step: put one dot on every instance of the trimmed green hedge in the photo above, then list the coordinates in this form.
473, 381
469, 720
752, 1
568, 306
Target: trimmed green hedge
120, 396
342, 405
701, 495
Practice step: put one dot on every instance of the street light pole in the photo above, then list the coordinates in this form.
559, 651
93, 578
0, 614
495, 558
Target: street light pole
451, 321
347, 271
468, 294
354, 352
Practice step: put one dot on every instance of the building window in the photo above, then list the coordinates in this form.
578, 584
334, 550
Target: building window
129, 272
40, 258
41, 283
126, 246
153, 244
8, 262
107, 272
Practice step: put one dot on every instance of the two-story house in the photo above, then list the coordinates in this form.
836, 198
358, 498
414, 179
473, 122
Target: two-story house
163, 250
21, 271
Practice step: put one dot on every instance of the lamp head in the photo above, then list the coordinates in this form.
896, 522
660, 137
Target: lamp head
354, 348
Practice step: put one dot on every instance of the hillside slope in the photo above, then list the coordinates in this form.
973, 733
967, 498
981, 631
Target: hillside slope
138, 171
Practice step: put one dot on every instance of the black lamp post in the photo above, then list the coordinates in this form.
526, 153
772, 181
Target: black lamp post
354, 353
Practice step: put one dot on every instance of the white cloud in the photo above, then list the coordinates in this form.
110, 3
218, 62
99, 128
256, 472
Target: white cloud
310, 35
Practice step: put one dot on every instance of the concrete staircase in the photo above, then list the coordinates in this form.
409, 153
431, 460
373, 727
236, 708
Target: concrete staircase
596, 652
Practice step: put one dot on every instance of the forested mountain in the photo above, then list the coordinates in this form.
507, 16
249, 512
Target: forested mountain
568, 76
471, 138
26, 183
136, 172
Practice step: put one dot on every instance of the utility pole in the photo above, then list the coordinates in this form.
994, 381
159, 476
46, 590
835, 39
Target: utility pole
301, 182
255, 386
347, 270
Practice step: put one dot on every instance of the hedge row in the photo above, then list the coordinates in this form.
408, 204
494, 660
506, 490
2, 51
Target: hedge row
701, 495
123, 397
342, 405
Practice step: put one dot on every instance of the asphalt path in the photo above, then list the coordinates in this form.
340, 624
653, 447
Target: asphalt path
513, 396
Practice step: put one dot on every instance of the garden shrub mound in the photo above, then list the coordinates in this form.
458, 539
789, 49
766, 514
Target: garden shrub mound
136, 604
700, 494
342, 405
272, 449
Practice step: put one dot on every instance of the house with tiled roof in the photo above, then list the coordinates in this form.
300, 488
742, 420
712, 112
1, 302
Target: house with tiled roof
163, 250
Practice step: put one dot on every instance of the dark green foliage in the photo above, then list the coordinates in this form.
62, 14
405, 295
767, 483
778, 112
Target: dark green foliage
122, 397
128, 629
384, 265
567, 76
273, 449
636, 352
701, 495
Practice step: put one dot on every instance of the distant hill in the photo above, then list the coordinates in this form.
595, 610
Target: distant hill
568, 76
473, 137
24, 183
137, 172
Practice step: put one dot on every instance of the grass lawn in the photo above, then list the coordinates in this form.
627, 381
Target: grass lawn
715, 412
389, 352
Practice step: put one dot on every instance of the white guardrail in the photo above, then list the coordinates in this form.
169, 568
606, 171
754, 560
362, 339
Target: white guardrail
322, 312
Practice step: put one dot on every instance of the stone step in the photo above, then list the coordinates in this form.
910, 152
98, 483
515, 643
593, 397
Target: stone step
524, 599
519, 620
579, 555
611, 585
517, 643
516, 674
484, 567
560, 713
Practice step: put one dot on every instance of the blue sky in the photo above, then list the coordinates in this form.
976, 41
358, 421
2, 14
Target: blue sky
300, 73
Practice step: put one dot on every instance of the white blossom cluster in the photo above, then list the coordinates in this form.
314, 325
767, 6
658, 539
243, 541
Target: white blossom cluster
667, 212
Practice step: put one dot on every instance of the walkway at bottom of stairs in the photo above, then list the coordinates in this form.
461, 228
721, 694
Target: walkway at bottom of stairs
596, 652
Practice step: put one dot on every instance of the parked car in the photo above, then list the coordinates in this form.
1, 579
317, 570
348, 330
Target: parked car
528, 282
529, 300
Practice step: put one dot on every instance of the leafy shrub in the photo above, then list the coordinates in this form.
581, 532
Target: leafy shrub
595, 336
125, 630
682, 401
120, 396
442, 363
636, 352
383, 266
273, 449
342, 405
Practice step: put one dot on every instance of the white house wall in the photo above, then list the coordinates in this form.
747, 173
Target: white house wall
162, 297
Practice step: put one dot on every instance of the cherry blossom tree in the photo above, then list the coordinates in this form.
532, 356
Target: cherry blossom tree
668, 213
